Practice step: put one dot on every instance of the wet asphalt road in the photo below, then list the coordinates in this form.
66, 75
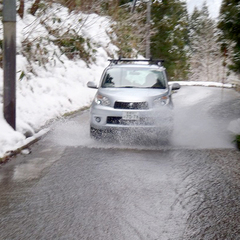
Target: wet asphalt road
71, 187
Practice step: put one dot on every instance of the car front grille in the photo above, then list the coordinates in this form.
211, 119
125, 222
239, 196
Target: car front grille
131, 105
120, 121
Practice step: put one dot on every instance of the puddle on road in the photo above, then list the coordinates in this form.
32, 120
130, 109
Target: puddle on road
74, 133
200, 131
30, 168
196, 124
190, 132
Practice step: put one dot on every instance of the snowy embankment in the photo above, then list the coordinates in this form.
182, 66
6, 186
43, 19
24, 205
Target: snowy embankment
53, 84
205, 84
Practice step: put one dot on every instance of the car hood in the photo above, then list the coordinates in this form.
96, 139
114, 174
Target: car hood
132, 94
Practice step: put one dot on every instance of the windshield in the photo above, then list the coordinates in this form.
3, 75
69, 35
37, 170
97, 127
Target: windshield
134, 78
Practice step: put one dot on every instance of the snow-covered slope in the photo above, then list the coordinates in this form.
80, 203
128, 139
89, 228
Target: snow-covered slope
53, 84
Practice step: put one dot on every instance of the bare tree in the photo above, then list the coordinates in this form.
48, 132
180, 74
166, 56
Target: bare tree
35, 7
21, 9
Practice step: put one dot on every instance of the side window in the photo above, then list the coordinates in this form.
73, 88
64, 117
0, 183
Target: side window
111, 78
161, 79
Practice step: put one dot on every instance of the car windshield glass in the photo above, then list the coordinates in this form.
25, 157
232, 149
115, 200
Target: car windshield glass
134, 78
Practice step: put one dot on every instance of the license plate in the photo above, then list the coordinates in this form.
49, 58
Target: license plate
130, 116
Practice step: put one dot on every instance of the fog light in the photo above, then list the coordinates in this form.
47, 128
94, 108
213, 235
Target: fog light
98, 119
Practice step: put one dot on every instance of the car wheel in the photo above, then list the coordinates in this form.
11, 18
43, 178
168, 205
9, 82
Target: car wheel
95, 133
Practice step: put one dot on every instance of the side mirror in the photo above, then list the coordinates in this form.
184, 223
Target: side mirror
175, 86
92, 85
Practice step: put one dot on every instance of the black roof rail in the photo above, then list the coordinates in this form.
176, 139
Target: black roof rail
150, 60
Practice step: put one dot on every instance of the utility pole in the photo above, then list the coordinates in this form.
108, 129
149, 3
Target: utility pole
148, 53
148, 23
9, 61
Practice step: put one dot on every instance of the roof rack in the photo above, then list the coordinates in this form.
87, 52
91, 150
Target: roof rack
150, 60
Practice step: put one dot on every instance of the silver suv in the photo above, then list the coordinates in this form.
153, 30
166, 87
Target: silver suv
132, 95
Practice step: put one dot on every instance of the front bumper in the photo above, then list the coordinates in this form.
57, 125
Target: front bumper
108, 119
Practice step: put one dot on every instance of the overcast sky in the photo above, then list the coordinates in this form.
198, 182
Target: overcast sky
213, 6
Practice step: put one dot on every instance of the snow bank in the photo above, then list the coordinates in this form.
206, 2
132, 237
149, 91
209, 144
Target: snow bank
47, 92
204, 84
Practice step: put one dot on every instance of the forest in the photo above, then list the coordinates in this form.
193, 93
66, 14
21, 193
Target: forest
193, 45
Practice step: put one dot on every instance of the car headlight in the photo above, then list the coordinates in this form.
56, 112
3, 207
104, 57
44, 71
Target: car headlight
161, 101
101, 100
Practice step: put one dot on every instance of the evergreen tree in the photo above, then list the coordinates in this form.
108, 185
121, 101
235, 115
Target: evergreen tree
229, 24
205, 58
170, 24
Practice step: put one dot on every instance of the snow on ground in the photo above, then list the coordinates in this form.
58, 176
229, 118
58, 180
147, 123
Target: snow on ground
205, 84
49, 92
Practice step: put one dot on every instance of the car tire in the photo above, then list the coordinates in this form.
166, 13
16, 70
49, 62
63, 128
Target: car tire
96, 133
